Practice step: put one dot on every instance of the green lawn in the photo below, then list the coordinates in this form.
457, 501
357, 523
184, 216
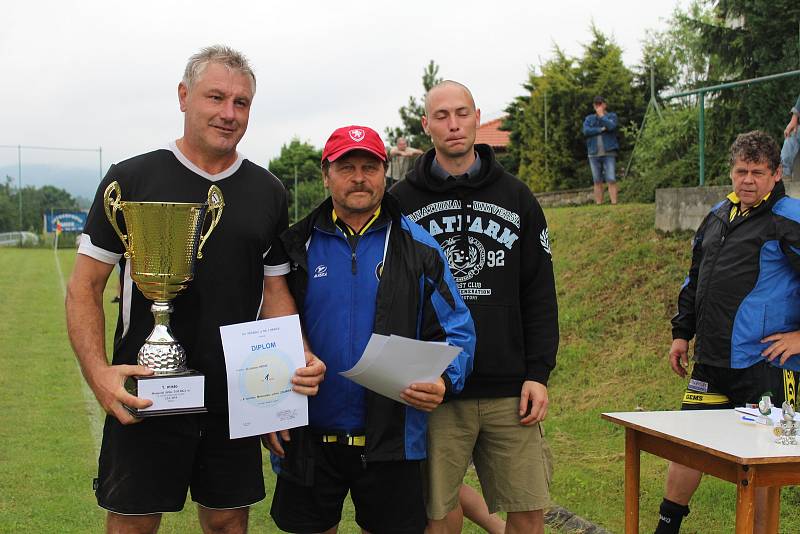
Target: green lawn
617, 282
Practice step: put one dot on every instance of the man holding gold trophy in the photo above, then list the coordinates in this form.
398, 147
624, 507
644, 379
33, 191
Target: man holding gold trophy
192, 227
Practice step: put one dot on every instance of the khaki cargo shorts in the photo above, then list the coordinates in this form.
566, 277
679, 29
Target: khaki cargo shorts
513, 462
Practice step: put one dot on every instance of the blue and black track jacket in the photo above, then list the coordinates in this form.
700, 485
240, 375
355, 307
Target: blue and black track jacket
744, 282
416, 297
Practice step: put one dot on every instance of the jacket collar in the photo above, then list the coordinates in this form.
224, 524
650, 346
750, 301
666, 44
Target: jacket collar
294, 238
422, 177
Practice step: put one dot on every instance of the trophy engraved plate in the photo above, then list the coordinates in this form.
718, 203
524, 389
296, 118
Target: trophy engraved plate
162, 243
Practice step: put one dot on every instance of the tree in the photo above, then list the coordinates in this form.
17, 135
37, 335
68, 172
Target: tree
302, 159
747, 39
676, 53
36, 201
411, 114
512, 123
560, 96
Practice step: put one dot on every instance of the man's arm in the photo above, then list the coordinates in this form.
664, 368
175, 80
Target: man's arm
679, 356
86, 330
444, 312
684, 321
785, 345
782, 346
609, 121
539, 309
277, 301
589, 129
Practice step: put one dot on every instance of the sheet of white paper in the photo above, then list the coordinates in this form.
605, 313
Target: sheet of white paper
775, 416
261, 357
371, 351
390, 366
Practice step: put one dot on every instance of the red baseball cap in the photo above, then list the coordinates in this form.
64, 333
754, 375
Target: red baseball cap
348, 138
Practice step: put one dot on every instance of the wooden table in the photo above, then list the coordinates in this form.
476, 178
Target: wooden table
716, 442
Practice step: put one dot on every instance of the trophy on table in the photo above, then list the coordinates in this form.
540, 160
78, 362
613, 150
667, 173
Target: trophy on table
162, 243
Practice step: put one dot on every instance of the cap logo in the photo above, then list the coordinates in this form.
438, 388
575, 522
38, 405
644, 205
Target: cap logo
356, 134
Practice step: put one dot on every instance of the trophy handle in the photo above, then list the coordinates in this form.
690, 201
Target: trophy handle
111, 206
215, 205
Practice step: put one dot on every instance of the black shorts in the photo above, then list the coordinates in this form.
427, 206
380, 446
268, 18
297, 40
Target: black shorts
146, 468
718, 388
387, 495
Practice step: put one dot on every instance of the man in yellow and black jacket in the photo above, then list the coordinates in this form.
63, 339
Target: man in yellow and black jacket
740, 302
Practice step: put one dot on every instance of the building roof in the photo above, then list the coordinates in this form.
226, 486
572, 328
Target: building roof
490, 134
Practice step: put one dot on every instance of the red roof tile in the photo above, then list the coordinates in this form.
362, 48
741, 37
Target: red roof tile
490, 134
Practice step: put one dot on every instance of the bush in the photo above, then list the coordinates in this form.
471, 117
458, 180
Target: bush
666, 155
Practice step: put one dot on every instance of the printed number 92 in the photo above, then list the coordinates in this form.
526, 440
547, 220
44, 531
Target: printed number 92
496, 258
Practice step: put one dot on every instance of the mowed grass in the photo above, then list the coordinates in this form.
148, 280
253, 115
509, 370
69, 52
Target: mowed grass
617, 283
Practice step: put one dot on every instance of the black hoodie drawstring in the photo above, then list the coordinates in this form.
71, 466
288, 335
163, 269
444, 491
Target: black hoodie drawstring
463, 223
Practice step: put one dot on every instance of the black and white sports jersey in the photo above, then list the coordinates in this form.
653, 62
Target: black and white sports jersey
228, 280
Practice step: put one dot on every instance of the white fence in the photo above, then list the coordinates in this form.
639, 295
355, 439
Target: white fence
18, 238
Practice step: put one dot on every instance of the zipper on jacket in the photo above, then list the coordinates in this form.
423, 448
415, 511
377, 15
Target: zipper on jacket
701, 313
363, 460
353, 261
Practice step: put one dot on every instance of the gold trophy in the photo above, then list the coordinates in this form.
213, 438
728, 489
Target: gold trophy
162, 242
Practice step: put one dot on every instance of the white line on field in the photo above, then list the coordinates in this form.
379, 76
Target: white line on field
92, 408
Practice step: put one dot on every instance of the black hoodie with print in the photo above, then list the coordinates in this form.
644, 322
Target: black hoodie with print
494, 234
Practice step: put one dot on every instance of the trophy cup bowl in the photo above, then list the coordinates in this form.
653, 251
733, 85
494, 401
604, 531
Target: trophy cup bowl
163, 240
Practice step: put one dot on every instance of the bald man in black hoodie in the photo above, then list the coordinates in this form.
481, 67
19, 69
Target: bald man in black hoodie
495, 237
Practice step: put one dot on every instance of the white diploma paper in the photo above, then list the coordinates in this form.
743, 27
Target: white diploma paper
392, 363
261, 357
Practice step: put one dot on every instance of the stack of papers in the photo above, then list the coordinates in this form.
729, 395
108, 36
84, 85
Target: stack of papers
392, 363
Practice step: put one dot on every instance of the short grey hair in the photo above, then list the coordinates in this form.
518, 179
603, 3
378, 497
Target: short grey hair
224, 55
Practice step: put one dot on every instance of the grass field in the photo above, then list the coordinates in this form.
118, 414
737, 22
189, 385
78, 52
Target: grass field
617, 281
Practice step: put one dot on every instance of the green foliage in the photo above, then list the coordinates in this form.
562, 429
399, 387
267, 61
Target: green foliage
747, 39
302, 159
411, 114
666, 155
554, 157
514, 123
36, 201
676, 52
710, 43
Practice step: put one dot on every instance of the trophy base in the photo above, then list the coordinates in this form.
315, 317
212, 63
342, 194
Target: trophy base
172, 394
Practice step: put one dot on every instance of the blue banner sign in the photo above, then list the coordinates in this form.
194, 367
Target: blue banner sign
70, 221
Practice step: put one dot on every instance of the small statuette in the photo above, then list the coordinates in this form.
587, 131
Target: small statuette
786, 431
765, 405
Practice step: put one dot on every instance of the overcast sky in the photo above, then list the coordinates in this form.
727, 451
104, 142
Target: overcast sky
85, 74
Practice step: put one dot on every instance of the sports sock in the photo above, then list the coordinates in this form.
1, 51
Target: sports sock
670, 515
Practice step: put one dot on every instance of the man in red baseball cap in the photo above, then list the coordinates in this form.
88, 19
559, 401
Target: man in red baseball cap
358, 267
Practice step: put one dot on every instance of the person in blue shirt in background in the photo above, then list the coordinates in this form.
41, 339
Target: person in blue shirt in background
600, 130
791, 142
358, 267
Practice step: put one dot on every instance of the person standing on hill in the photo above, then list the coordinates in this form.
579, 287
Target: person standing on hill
739, 303
495, 237
401, 159
600, 130
791, 141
